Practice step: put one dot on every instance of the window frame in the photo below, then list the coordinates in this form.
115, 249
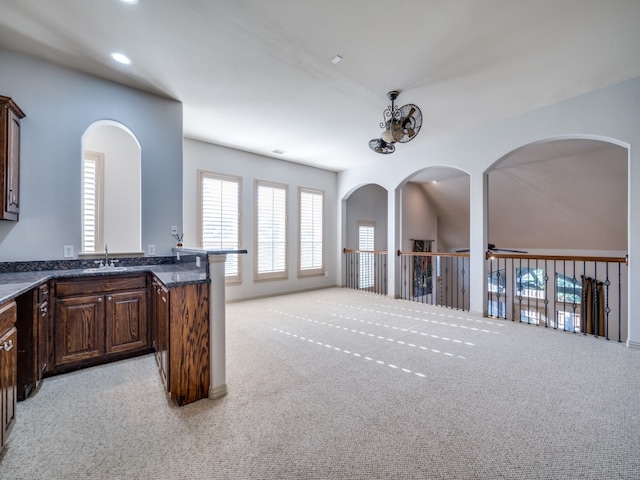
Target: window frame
272, 275
314, 271
98, 158
366, 259
202, 174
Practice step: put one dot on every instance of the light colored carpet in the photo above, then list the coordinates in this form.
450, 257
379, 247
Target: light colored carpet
339, 384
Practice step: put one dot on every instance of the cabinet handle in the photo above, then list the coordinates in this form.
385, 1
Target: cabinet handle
6, 346
44, 311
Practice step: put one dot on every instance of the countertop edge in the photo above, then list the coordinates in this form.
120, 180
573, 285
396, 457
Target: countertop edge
165, 273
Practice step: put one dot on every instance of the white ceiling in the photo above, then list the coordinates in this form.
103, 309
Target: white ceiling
256, 74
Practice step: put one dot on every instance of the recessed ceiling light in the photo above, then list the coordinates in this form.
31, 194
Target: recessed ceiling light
120, 58
129, 2
336, 60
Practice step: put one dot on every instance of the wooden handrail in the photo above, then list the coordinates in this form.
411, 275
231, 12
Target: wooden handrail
570, 258
347, 250
490, 254
434, 254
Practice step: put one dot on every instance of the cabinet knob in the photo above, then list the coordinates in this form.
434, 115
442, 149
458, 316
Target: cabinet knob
6, 346
100, 299
109, 298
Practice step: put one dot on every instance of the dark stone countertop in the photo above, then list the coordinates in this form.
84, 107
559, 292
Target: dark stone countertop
14, 284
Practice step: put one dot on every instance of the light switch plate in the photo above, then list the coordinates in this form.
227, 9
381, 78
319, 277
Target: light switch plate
174, 230
68, 251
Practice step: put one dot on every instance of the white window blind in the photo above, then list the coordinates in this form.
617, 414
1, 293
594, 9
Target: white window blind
271, 230
311, 231
220, 217
366, 268
92, 202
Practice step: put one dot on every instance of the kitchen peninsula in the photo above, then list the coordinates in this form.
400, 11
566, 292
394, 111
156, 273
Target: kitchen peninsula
70, 315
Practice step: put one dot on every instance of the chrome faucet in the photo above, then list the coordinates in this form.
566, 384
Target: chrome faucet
106, 255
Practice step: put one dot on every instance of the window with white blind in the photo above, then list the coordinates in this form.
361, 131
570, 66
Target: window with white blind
92, 191
366, 263
311, 236
271, 230
219, 217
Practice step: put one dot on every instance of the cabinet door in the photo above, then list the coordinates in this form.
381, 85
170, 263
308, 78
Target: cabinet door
79, 328
42, 359
8, 382
13, 165
162, 339
126, 321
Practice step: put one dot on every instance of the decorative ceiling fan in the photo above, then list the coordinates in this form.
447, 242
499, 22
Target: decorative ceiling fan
492, 248
400, 124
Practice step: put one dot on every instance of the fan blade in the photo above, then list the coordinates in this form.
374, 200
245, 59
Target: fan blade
506, 250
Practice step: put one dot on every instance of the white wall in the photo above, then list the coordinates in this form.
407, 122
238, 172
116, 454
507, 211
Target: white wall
419, 218
250, 167
367, 204
611, 113
59, 105
570, 203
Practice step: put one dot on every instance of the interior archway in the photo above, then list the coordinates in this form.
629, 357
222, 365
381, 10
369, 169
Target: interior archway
435, 206
111, 189
566, 195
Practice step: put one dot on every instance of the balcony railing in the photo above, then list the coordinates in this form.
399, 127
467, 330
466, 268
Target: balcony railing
572, 293
435, 278
366, 270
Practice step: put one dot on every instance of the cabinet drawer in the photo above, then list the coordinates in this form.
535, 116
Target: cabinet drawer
43, 293
100, 284
7, 316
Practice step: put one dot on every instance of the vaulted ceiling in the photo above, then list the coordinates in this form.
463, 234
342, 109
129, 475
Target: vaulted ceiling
257, 75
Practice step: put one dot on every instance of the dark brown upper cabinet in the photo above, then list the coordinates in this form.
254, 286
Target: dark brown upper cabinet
10, 116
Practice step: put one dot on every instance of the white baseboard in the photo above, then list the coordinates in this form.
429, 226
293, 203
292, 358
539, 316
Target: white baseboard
218, 392
632, 344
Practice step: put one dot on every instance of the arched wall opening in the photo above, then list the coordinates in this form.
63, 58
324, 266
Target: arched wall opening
366, 205
434, 216
435, 206
563, 205
560, 195
364, 228
111, 199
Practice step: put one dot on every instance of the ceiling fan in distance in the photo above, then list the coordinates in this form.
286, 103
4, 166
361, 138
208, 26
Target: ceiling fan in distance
492, 248
400, 124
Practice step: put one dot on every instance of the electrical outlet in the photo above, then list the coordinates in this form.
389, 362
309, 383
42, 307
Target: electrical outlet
68, 251
174, 230
151, 249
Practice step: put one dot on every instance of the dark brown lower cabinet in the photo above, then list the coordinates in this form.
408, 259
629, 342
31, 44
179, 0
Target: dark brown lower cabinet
181, 339
79, 329
126, 315
160, 296
8, 369
99, 320
34, 331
